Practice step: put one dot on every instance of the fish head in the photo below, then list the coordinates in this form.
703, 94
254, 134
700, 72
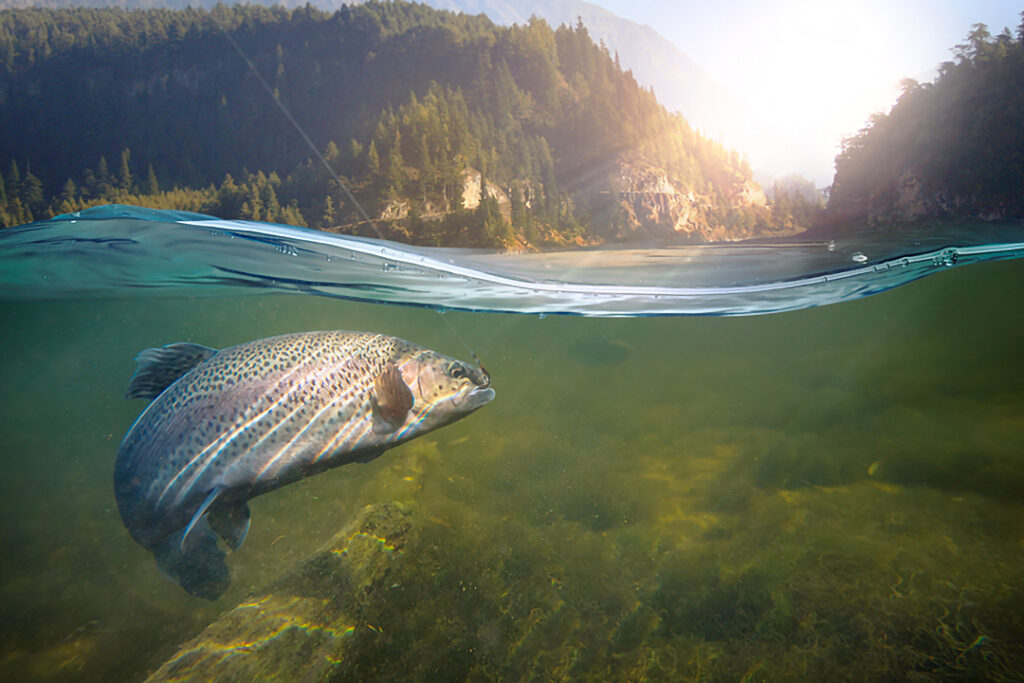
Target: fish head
444, 389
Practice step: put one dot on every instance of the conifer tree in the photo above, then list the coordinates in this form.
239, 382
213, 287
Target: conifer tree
373, 160
31, 191
327, 217
152, 187
124, 171
103, 183
68, 192
14, 179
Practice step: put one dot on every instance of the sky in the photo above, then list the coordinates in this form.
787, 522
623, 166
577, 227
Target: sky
810, 73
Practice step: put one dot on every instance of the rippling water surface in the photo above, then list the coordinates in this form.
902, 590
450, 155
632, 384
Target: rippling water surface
824, 493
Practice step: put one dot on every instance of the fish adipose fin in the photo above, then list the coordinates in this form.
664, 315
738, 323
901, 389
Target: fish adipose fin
392, 400
231, 522
192, 558
160, 367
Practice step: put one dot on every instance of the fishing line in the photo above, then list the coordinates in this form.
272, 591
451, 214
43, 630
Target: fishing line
458, 335
300, 130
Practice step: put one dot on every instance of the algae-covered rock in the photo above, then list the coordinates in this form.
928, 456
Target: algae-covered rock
301, 627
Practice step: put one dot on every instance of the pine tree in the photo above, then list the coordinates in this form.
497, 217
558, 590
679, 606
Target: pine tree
152, 187
327, 219
373, 160
395, 168
32, 191
14, 180
332, 154
252, 208
103, 184
124, 171
68, 192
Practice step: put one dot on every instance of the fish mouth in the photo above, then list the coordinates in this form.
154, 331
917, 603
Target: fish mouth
475, 398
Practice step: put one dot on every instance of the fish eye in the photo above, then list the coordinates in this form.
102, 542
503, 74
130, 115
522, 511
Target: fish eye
456, 371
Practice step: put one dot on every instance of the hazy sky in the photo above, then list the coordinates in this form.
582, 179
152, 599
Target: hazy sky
811, 72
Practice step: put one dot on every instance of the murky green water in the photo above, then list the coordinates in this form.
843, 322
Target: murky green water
830, 493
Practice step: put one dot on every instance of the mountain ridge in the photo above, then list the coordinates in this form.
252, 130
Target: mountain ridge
678, 81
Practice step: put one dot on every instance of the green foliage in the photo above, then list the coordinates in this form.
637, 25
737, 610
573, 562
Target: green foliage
952, 147
423, 97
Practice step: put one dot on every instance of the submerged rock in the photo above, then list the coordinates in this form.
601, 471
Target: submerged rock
303, 625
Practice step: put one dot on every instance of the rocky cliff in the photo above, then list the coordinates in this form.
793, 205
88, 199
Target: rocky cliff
643, 202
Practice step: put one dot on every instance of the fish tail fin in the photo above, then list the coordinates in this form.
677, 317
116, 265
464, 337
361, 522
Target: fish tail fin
160, 367
194, 561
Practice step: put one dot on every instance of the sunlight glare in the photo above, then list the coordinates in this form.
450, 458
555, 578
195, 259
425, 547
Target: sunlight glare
813, 71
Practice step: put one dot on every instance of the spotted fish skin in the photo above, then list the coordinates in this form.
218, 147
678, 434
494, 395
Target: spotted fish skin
254, 417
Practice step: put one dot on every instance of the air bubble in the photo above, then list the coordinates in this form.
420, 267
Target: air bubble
831, 245
541, 316
859, 257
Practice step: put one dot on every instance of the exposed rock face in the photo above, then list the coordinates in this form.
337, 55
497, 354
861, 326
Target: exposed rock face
908, 200
395, 210
631, 200
644, 203
751, 194
471, 194
651, 202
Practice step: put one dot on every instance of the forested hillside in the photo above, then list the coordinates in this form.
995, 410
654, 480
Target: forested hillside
447, 128
954, 147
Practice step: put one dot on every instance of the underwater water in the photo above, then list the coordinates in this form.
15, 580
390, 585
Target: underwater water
826, 493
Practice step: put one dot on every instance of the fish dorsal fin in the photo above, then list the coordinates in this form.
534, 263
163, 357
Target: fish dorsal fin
199, 513
231, 522
160, 367
392, 400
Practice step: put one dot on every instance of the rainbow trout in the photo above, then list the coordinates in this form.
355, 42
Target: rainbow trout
226, 426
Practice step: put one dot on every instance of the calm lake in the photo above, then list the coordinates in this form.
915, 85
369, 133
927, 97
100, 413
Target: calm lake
835, 492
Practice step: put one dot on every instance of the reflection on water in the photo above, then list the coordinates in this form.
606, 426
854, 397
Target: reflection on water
828, 493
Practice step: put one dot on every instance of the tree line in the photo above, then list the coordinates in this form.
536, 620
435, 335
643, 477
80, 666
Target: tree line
402, 101
953, 147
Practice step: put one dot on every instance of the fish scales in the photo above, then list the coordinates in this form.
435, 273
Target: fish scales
253, 417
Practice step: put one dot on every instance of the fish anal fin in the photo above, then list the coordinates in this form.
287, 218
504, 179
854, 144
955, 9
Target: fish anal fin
230, 521
392, 400
160, 367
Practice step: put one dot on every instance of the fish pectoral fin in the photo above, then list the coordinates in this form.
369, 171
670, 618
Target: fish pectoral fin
392, 400
199, 513
231, 522
160, 367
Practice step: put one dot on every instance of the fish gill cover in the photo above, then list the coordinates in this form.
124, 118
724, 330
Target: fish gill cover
124, 250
